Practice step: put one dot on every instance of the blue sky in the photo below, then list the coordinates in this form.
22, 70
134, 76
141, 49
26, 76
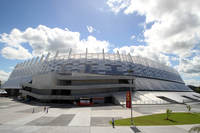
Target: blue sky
74, 15
114, 22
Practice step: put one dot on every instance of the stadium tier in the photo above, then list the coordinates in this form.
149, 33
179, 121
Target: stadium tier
72, 76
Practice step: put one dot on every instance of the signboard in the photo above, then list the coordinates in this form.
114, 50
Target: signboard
128, 99
84, 102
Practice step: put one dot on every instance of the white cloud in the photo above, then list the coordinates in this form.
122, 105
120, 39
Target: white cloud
18, 52
175, 23
143, 24
145, 51
11, 67
192, 82
43, 39
132, 37
189, 67
13, 39
175, 29
4, 75
90, 29
93, 45
117, 5
190, 70
174, 58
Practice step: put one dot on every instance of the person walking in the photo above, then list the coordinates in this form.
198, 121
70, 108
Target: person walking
44, 108
33, 110
47, 108
113, 122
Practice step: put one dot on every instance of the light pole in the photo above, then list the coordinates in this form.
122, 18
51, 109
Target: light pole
131, 92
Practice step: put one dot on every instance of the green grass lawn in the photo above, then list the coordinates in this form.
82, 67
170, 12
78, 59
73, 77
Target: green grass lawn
160, 119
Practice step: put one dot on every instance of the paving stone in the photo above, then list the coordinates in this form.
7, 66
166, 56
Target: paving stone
101, 121
10, 105
161, 129
30, 110
5, 103
107, 108
42, 121
62, 120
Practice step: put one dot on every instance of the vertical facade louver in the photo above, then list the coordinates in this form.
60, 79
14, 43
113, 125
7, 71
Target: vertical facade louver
149, 75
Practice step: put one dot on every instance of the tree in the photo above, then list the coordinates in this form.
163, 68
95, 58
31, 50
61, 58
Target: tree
194, 88
168, 112
195, 129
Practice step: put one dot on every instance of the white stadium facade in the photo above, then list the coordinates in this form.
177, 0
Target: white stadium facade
100, 77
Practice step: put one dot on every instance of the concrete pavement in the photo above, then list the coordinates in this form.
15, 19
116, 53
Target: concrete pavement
17, 117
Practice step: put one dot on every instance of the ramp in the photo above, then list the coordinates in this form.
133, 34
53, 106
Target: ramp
196, 96
167, 99
193, 99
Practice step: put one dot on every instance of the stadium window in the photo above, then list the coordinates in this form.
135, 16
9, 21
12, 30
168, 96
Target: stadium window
123, 81
64, 82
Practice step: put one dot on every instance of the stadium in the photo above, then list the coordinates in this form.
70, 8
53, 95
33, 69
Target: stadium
98, 78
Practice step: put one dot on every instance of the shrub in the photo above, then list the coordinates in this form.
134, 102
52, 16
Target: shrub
168, 112
188, 107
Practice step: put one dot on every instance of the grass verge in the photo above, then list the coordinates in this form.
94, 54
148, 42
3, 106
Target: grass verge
160, 119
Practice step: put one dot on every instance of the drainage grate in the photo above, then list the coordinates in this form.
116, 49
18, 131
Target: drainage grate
135, 130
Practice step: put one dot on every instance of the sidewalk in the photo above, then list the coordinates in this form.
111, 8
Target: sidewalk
144, 129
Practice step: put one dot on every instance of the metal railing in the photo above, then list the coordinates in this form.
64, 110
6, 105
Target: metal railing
146, 102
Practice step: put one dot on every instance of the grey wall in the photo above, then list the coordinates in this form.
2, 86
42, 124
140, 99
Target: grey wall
44, 81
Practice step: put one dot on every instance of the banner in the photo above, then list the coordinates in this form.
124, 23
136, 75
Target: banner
128, 99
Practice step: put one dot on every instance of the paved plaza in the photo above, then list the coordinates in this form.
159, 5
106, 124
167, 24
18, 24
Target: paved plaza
17, 117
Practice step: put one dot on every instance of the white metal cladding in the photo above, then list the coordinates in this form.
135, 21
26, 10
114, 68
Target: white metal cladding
154, 84
113, 64
96, 63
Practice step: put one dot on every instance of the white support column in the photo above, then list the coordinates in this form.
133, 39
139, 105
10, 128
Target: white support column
118, 55
86, 53
47, 57
142, 61
65, 62
41, 59
17, 66
35, 65
146, 62
26, 67
31, 62
103, 55
32, 66
36, 60
126, 58
27, 61
54, 60
20, 65
23, 63
39, 64
130, 58
45, 63
70, 52
56, 55
109, 56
